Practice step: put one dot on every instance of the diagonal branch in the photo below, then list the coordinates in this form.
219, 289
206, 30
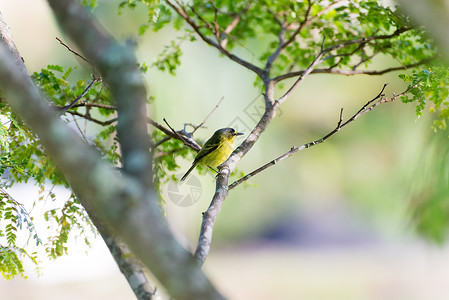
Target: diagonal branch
117, 199
128, 264
132, 270
208, 116
367, 107
188, 141
178, 136
222, 37
118, 66
222, 188
69, 106
123, 201
187, 137
315, 62
73, 51
228, 30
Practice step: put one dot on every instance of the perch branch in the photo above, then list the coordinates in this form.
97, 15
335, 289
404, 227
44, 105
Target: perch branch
129, 199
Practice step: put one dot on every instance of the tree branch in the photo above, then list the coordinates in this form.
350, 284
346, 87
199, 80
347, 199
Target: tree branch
69, 106
315, 62
208, 116
183, 13
188, 141
129, 266
73, 51
367, 107
90, 118
188, 137
7, 39
92, 104
229, 29
282, 43
221, 187
352, 72
119, 200
118, 67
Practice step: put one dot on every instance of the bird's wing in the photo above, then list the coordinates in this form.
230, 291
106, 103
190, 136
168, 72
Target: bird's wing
207, 148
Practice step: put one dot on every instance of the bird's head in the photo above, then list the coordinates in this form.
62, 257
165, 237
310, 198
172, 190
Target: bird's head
227, 133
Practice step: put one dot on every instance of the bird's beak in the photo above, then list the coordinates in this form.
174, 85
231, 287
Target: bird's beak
239, 133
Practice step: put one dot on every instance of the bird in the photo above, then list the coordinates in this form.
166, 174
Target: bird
216, 150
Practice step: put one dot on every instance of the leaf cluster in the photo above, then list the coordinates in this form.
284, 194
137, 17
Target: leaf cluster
430, 89
72, 216
357, 31
21, 156
14, 218
23, 159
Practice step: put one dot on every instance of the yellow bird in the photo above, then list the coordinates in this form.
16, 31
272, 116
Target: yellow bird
216, 150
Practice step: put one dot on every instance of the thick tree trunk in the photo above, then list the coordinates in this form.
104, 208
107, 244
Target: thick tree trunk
122, 201
128, 264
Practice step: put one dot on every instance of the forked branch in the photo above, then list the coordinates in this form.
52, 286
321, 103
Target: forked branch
182, 12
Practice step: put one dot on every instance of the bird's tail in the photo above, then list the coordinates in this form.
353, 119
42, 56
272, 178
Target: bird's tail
188, 172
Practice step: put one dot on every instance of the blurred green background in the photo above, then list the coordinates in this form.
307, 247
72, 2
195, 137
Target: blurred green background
331, 222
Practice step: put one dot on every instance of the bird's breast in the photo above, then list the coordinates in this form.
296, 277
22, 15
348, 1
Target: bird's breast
219, 156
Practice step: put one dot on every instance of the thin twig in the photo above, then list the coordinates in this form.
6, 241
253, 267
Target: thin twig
97, 105
67, 107
204, 121
183, 14
73, 51
352, 72
88, 117
307, 20
81, 132
191, 142
367, 107
177, 134
362, 42
311, 67
94, 80
168, 137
